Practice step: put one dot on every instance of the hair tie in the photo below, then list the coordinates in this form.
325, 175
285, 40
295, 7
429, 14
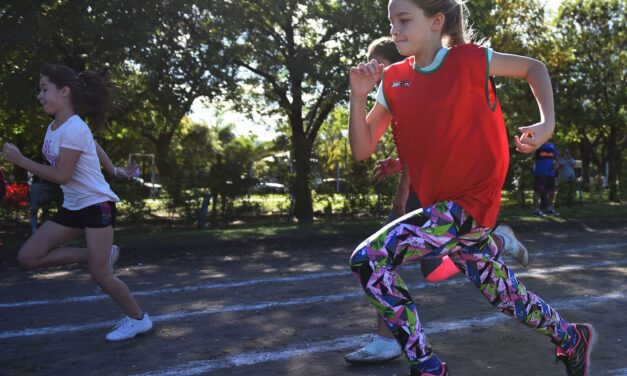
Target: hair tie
81, 78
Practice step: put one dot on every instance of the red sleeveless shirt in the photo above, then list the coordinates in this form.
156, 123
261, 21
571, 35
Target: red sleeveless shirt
450, 131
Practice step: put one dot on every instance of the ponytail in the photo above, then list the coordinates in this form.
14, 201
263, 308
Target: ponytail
96, 97
89, 91
456, 29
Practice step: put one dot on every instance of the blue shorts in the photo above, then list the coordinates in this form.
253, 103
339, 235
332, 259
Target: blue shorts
95, 216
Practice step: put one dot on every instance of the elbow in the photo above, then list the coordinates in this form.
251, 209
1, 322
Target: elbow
63, 180
361, 155
537, 68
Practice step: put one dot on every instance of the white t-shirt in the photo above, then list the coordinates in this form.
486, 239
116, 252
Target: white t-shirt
87, 185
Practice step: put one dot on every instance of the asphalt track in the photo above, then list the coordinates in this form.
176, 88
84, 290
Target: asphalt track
297, 311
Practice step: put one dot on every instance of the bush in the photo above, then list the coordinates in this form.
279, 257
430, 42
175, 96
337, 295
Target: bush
133, 195
566, 193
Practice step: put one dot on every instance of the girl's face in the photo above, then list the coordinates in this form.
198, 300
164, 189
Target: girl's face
411, 29
51, 97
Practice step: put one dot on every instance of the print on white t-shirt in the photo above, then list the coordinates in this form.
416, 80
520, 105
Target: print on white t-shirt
87, 185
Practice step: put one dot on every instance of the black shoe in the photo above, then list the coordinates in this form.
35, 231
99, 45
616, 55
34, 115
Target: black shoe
577, 359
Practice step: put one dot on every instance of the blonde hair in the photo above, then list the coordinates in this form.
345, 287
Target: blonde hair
456, 29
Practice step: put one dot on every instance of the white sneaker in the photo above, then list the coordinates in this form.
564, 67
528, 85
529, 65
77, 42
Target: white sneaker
376, 350
129, 327
511, 245
115, 255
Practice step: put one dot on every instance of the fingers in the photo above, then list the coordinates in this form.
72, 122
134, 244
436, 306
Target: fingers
8, 149
378, 175
372, 68
523, 145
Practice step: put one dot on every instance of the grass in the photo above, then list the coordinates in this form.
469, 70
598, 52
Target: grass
269, 228
278, 227
251, 232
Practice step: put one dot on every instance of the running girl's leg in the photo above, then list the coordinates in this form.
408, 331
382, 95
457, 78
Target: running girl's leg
499, 286
99, 242
434, 231
42, 248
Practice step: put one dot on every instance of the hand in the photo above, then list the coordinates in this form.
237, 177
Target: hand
130, 171
532, 137
386, 168
11, 153
364, 77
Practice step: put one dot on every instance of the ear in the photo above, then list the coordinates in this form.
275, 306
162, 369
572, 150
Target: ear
438, 22
65, 91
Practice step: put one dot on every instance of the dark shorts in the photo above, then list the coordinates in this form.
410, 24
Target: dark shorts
95, 216
544, 183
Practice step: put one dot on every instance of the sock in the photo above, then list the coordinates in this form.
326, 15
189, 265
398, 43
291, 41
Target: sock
571, 339
139, 319
431, 364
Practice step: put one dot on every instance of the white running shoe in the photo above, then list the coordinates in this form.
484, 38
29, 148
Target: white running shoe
129, 327
376, 350
511, 245
115, 255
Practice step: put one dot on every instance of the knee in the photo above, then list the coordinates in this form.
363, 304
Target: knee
26, 261
359, 256
100, 277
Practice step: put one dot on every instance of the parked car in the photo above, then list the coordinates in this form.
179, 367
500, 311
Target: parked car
269, 187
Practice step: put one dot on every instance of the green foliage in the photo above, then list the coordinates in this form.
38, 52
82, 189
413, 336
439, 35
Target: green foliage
589, 63
133, 194
289, 59
297, 54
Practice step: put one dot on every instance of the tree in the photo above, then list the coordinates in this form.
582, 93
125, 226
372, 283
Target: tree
181, 61
294, 57
591, 37
167, 56
33, 33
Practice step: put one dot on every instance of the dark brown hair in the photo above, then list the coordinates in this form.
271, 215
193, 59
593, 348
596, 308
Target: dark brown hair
89, 91
385, 48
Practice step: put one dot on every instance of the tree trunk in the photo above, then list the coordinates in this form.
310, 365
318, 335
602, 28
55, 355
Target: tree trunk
612, 156
584, 148
303, 208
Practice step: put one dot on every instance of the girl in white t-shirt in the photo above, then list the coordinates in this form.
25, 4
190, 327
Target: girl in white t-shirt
88, 201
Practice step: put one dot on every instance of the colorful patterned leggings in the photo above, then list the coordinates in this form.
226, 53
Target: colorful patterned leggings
444, 228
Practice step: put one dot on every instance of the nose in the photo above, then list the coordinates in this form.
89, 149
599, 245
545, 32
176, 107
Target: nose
393, 30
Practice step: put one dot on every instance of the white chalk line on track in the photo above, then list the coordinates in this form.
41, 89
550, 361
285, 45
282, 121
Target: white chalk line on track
348, 342
30, 332
257, 281
615, 372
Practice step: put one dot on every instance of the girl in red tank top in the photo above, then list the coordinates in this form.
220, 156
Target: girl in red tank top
452, 137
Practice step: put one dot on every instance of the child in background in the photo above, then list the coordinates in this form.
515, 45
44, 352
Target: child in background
88, 201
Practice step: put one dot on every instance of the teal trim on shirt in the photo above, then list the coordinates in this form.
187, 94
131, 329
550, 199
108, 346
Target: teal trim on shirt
431, 68
435, 64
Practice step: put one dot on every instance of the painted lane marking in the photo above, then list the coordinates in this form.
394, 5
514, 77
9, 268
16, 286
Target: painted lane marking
295, 278
30, 332
344, 343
